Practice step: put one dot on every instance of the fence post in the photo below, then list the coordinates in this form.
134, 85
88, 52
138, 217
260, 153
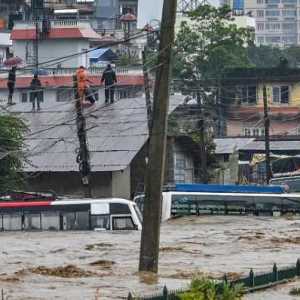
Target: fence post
275, 272
225, 279
251, 277
298, 267
2, 294
129, 297
165, 293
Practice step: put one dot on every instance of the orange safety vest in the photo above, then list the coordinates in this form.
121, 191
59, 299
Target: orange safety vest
81, 78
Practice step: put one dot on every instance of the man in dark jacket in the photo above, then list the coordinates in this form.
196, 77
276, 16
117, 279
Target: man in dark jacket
11, 84
36, 92
109, 77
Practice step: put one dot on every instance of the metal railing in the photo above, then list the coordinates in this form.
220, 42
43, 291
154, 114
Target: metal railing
250, 283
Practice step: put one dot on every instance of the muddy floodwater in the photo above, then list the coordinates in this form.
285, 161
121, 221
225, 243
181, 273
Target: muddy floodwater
103, 265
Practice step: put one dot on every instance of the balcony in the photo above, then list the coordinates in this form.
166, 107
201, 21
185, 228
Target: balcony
67, 23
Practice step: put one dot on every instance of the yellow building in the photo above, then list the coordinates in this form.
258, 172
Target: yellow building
242, 94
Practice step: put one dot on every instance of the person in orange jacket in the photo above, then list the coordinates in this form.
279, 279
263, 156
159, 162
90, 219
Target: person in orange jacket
82, 83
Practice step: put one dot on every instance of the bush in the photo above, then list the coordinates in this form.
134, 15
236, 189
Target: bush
208, 289
295, 291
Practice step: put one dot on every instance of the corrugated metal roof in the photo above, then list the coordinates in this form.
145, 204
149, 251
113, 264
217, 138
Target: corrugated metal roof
274, 146
230, 145
116, 133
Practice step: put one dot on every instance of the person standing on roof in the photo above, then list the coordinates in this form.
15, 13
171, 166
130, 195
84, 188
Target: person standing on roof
36, 92
109, 78
82, 83
11, 84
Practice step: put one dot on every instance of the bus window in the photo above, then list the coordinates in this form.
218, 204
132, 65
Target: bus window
122, 223
32, 221
82, 220
119, 208
69, 221
50, 221
100, 222
12, 222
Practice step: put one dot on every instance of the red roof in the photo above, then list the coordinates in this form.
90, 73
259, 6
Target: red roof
55, 33
67, 81
128, 18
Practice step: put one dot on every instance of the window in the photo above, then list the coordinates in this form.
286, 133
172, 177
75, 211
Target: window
272, 1
281, 94
254, 131
247, 95
260, 13
122, 223
289, 1
101, 222
273, 39
289, 26
247, 132
64, 95
180, 164
273, 26
32, 221
273, 13
260, 26
260, 2
289, 13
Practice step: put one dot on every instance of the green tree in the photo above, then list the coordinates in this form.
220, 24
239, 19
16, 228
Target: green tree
207, 44
12, 131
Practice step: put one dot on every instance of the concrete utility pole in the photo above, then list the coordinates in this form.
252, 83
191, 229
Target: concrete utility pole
267, 136
157, 144
83, 157
36, 7
147, 91
203, 151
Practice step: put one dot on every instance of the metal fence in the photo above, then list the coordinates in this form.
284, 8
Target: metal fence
250, 283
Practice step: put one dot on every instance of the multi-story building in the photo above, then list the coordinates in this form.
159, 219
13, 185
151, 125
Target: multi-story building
61, 38
277, 21
243, 101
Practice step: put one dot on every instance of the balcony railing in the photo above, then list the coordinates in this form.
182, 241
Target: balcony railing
135, 70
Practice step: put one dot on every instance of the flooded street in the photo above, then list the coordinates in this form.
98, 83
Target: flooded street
104, 264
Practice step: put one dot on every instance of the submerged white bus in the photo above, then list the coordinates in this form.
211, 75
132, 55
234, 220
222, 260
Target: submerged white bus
177, 203
69, 214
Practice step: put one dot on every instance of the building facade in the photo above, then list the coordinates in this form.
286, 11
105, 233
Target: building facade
277, 21
243, 102
61, 38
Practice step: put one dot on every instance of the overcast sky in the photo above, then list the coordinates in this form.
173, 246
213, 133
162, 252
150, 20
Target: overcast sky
149, 10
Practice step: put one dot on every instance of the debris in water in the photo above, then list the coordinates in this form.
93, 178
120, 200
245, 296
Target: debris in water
105, 264
99, 246
69, 271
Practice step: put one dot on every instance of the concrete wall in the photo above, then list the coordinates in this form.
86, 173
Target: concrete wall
69, 184
50, 97
121, 183
52, 49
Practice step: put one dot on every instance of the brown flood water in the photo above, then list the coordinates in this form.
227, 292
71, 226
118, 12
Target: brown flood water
103, 265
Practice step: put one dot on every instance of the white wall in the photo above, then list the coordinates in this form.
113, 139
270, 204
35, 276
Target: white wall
52, 49
121, 183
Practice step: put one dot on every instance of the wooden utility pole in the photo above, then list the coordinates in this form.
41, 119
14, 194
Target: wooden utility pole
147, 91
83, 157
267, 136
157, 144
